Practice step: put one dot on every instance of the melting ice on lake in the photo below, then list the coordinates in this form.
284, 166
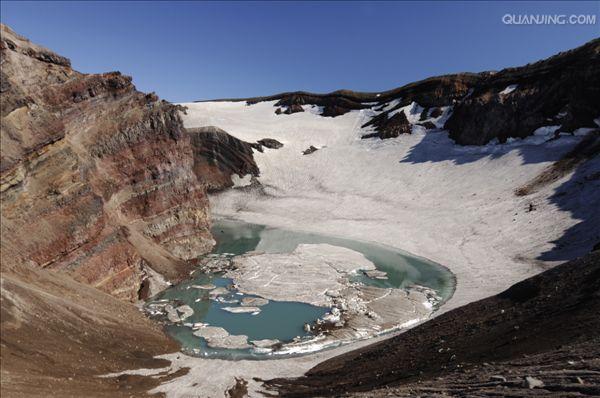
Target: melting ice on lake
228, 324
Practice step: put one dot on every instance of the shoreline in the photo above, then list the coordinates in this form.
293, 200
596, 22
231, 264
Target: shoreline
356, 309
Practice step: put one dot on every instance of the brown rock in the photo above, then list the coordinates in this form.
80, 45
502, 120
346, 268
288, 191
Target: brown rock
294, 108
218, 156
428, 125
270, 143
390, 128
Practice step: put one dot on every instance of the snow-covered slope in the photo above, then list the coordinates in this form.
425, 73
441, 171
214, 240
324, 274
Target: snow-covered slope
420, 192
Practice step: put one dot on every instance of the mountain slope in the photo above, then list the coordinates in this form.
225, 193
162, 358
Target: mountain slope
562, 90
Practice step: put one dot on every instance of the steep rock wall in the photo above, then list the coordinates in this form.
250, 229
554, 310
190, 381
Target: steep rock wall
99, 180
98, 190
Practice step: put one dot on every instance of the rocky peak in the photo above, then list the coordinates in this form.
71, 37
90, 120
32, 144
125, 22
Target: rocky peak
14, 42
99, 180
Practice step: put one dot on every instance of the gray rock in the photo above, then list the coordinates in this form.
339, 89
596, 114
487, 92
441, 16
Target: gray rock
532, 382
254, 302
310, 150
270, 143
185, 310
172, 314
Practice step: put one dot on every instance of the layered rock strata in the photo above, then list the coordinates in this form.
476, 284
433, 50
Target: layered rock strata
100, 203
99, 180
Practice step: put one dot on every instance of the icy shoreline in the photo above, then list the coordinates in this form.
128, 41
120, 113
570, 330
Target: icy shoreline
347, 287
320, 274
421, 193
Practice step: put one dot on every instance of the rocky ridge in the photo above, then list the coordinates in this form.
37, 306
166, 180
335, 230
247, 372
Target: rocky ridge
562, 90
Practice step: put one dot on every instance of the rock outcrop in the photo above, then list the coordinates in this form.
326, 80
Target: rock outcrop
562, 90
102, 196
97, 178
389, 127
219, 156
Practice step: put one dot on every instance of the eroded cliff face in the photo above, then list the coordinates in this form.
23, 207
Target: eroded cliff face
219, 156
97, 178
101, 197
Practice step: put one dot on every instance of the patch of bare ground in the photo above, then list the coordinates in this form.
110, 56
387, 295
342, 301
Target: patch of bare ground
586, 149
58, 335
239, 389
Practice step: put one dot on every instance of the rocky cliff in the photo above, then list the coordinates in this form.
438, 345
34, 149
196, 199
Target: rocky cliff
99, 180
563, 90
219, 156
101, 198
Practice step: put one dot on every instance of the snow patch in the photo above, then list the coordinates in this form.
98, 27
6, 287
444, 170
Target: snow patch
412, 112
509, 89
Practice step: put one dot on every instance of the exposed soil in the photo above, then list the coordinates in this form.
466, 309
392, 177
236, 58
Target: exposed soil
588, 148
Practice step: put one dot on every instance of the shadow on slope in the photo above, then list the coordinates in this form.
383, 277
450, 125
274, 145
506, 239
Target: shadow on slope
579, 195
436, 147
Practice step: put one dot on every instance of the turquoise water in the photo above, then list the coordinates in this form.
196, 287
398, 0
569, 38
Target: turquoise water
282, 320
403, 269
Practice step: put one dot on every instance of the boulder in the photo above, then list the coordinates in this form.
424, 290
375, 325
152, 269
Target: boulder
270, 143
310, 150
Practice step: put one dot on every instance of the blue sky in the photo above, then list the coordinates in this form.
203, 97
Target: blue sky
187, 51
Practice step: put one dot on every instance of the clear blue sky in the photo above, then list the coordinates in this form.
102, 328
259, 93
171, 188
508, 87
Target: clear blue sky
200, 50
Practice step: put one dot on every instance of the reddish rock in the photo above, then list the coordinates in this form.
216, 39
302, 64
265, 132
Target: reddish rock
96, 176
218, 156
75, 149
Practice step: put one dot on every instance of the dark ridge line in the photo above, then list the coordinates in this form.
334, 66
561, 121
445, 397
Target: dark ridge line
392, 93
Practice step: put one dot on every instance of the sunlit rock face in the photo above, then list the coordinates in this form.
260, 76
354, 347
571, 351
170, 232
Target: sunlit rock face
97, 178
